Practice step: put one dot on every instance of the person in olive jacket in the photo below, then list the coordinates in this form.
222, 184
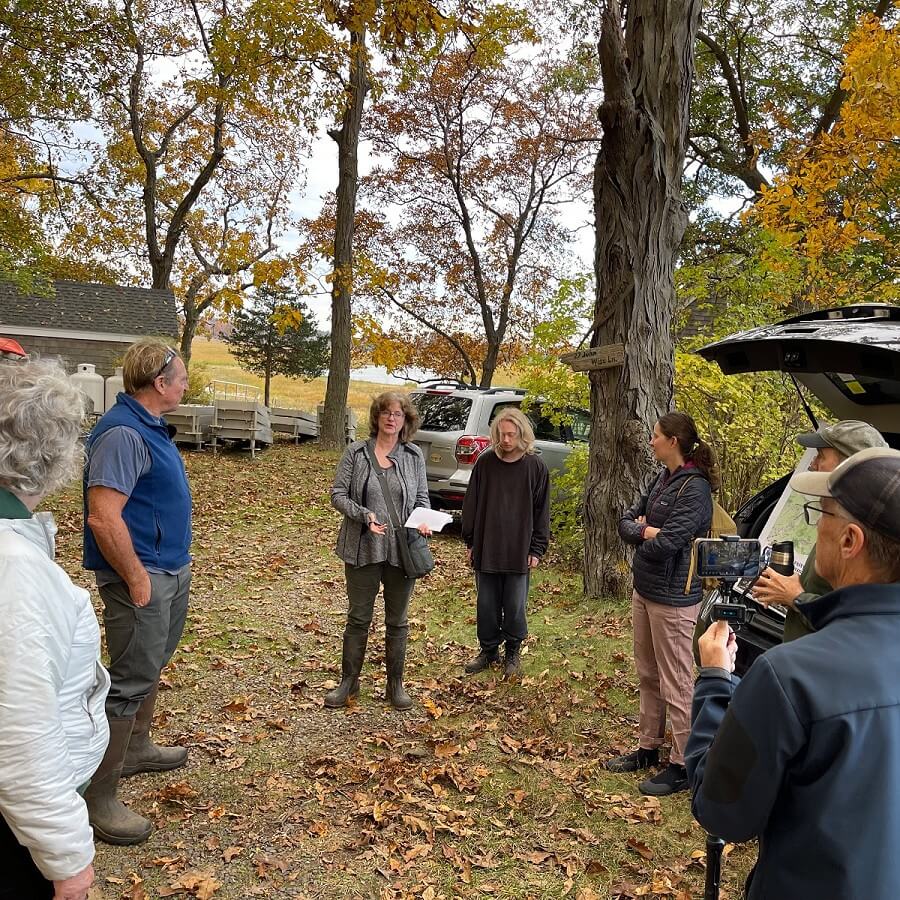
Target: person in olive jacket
664, 523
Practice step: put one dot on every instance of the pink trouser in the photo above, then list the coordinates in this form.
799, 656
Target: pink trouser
665, 666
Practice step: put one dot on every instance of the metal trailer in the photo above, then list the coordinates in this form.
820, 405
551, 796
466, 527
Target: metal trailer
239, 415
294, 422
192, 423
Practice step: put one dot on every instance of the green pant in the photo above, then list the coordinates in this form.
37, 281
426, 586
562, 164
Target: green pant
362, 589
141, 639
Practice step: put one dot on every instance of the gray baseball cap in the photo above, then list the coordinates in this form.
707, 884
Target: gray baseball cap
866, 484
847, 437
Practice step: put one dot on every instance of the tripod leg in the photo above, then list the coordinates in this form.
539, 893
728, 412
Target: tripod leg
714, 847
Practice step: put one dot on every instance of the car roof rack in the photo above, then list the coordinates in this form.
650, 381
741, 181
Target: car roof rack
445, 382
506, 390
434, 383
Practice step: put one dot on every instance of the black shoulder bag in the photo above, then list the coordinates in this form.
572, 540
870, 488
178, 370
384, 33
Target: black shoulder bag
415, 557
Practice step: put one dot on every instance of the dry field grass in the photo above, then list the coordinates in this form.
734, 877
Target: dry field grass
219, 364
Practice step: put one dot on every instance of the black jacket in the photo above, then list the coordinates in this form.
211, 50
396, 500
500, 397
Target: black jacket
680, 505
804, 753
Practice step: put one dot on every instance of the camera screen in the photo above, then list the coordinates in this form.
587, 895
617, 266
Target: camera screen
729, 559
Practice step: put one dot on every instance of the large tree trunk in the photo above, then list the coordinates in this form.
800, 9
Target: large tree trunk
270, 340
640, 220
332, 432
489, 366
193, 310
191, 320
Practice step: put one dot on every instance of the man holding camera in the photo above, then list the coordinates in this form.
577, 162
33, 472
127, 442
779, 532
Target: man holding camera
833, 444
805, 751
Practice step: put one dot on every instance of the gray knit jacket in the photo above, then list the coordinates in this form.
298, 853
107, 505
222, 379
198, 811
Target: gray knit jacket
355, 483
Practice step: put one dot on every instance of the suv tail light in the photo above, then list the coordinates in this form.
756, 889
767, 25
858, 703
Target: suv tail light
470, 446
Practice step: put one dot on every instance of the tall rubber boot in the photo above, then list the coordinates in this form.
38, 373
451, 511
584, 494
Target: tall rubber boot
142, 754
112, 820
351, 665
395, 661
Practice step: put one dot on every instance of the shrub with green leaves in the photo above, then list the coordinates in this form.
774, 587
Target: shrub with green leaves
198, 385
751, 421
566, 503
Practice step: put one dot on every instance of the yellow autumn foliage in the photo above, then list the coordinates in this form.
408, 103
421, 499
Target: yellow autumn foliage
833, 214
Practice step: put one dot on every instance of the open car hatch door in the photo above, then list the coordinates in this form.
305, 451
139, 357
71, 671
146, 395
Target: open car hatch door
848, 357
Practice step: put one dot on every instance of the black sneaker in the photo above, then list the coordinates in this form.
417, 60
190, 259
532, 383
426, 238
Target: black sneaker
632, 762
672, 780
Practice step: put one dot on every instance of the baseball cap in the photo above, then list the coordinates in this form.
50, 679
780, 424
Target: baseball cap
847, 437
10, 349
866, 484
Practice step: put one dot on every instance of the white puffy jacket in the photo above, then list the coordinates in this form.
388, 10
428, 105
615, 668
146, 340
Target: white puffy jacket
53, 728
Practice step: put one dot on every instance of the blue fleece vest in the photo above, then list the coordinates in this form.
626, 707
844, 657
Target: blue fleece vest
158, 512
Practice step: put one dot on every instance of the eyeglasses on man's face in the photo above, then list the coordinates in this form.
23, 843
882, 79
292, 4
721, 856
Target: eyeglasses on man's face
393, 413
170, 355
812, 512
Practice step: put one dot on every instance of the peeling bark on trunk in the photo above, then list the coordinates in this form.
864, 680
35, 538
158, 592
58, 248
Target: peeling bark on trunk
191, 320
647, 69
332, 433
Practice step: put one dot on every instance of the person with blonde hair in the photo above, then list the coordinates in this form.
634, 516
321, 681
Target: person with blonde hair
378, 483
506, 528
52, 687
137, 538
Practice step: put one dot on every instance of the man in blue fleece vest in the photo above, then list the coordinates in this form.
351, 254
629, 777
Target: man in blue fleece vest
137, 539
804, 752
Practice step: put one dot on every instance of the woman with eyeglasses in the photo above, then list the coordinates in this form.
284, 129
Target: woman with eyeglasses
53, 731
378, 483
663, 524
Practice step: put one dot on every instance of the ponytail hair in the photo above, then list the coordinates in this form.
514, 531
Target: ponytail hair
680, 425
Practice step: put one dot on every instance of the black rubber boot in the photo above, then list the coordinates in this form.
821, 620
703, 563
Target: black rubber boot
634, 761
484, 660
395, 662
112, 820
142, 754
351, 665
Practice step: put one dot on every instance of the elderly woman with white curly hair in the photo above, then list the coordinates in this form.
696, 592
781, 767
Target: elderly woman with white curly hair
53, 730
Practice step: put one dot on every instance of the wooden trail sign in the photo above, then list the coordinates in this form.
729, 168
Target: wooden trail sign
604, 357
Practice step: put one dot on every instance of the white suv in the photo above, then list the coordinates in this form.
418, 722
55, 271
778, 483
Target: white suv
455, 430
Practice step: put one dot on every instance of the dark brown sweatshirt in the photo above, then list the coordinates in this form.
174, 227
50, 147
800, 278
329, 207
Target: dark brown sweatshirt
506, 513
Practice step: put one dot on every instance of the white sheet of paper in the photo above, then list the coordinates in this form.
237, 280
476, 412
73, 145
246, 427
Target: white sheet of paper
433, 518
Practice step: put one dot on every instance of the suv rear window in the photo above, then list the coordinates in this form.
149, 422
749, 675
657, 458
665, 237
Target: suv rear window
441, 412
865, 390
500, 406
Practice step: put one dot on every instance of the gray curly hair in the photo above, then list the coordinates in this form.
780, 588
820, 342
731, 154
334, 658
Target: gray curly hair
41, 413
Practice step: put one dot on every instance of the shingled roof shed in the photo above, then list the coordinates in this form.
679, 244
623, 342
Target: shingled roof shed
86, 323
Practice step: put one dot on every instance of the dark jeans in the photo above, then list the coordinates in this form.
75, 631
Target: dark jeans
21, 879
501, 609
362, 589
141, 639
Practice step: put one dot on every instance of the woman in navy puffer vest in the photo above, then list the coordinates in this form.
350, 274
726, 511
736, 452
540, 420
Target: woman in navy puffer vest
663, 524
